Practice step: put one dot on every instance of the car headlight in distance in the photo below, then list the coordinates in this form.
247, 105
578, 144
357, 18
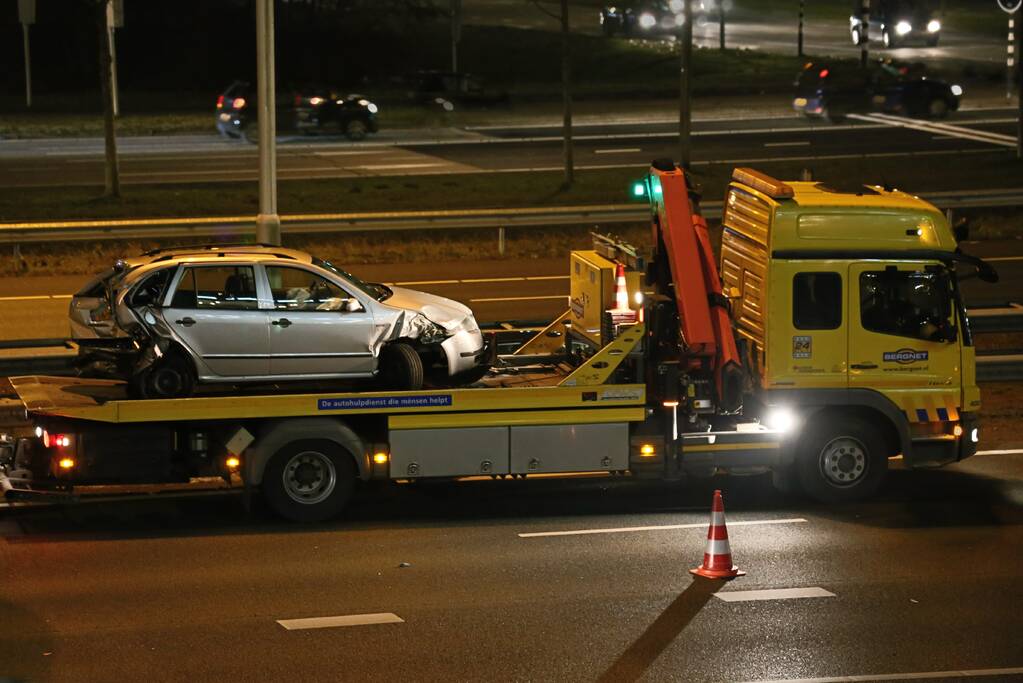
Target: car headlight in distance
957, 90
647, 20
903, 27
933, 26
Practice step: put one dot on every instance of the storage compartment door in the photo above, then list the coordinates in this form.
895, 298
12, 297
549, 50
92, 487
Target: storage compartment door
569, 448
459, 452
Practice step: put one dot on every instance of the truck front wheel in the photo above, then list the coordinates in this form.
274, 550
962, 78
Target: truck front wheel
309, 480
841, 460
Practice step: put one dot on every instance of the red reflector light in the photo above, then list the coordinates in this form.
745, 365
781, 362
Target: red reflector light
220, 102
298, 100
238, 102
824, 73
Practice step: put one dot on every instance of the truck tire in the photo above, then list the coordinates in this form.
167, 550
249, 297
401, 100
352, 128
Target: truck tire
309, 480
170, 377
401, 368
841, 460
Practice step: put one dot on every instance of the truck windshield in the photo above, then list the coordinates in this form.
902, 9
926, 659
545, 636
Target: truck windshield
907, 303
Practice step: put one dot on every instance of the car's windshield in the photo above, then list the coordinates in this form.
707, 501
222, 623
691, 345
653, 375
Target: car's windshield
378, 292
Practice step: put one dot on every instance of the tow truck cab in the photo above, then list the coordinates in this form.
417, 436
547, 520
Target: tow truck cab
848, 304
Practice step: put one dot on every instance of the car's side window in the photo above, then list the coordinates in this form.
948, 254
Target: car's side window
217, 287
296, 289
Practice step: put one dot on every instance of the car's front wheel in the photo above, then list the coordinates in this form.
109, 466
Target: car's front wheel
170, 377
401, 368
356, 129
937, 108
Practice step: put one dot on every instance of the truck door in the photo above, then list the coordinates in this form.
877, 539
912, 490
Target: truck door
903, 339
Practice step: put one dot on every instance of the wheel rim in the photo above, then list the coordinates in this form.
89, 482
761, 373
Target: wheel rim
309, 477
843, 462
357, 129
167, 382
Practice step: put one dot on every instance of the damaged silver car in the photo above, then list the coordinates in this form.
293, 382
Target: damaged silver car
172, 318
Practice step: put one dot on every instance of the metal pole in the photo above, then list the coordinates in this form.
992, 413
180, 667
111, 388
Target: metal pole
113, 68
456, 32
865, 30
566, 95
28, 67
685, 87
721, 24
1019, 92
268, 223
802, 5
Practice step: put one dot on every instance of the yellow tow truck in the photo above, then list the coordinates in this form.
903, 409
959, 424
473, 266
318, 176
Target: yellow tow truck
832, 338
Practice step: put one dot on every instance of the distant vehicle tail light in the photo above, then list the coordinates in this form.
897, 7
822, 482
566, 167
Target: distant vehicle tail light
220, 102
824, 73
238, 102
298, 100
316, 101
56, 440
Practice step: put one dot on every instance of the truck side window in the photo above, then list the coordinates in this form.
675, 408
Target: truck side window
817, 301
906, 303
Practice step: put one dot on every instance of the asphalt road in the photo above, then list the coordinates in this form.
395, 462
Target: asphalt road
497, 291
927, 578
199, 158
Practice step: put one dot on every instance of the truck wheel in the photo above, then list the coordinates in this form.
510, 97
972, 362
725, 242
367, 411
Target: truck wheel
401, 368
170, 377
310, 480
356, 129
841, 461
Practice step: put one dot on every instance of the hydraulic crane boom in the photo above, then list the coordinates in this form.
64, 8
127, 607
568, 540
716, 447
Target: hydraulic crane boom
684, 269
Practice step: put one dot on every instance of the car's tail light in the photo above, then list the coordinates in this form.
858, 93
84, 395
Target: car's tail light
220, 102
824, 73
238, 102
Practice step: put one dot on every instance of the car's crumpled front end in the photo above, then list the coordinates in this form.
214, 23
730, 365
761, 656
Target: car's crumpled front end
431, 319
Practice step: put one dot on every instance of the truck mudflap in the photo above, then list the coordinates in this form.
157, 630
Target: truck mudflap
731, 450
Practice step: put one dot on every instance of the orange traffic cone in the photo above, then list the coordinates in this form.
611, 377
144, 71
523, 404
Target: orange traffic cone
717, 559
621, 290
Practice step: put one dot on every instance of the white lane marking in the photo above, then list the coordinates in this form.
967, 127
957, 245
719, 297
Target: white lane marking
964, 673
1004, 258
334, 622
427, 282
492, 279
666, 527
795, 143
627, 150
394, 167
157, 174
964, 133
518, 298
349, 152
1006, 451
35, 297
774, 594
556, 277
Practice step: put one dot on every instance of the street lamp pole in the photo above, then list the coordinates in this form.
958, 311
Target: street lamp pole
685, 87
268, 223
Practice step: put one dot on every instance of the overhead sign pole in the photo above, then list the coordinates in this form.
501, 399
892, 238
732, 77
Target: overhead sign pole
115, 19
1012, 68
268, 222
865, 31
27, 17
685, 99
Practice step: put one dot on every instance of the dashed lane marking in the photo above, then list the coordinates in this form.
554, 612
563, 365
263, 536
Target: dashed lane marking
666, 527
517, 298
36, 297
627, 150
335, 622
794, 143
559, 277
1007, 451
774, 594
964, 673
428, 282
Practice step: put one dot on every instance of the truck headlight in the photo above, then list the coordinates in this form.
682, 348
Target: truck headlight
903, 27
933, 26
781, 419
647, 20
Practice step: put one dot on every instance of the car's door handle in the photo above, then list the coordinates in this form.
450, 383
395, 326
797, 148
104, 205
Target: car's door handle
864, 366
283, 322
187, 322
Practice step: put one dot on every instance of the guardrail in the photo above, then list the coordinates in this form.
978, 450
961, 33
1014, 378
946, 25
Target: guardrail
51, 231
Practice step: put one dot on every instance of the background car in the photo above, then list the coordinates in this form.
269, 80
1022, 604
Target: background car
897, 22
307, 109
172, 318
648, 17
449, 89
835, 90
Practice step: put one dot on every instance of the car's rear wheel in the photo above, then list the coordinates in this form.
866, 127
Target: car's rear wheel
841, 460
937, 108
401, 368
170, 377
356, 129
